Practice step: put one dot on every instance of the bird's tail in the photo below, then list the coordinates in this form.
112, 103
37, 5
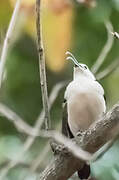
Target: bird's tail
84, 173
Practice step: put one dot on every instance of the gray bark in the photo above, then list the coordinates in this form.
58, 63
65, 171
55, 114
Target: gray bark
65, 164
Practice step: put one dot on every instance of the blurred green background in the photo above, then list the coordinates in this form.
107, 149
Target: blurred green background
70, 26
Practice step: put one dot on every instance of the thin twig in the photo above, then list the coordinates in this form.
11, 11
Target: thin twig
7, 40
32, 133
68, 143
18, 122
110, 120
42, 65
40, 119
43, 155
53, 95
106, 72
105, 49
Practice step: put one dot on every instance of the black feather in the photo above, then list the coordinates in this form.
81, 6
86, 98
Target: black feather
83, 173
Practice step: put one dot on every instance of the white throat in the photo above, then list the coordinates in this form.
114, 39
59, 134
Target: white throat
80, 74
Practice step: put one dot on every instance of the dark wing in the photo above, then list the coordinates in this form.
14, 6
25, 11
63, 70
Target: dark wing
65, 127
105, 98
85, 171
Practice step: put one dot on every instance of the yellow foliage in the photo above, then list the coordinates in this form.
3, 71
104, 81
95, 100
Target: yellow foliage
56, 22
24, 2
5, 13
56, 33
30, 26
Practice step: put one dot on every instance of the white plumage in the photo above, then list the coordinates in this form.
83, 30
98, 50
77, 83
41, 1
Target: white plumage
85, 100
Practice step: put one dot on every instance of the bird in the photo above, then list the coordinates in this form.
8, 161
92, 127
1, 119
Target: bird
84, 103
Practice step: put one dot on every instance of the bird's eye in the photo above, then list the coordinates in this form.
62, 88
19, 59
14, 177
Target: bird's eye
85, 67
76, 65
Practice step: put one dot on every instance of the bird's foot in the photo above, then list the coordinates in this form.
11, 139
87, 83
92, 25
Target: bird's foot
80, 133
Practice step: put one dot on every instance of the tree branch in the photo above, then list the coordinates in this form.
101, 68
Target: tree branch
105, 49
112, 67
42, 65
52, 97
8, 39
65, 164
107, 71
18, 122
25, 128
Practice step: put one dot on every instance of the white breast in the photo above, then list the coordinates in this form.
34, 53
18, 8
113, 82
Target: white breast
85, 104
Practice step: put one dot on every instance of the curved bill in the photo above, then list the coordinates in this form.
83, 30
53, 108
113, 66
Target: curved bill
72, 58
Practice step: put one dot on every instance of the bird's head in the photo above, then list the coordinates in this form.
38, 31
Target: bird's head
80, 70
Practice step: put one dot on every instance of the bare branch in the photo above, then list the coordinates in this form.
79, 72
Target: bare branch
16, 120
39, 121
90, 141
105, 49
30, 140
7, 40
52, 97
42, 65
95, 137
67, 143
110, 69
42, 156
31, 132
